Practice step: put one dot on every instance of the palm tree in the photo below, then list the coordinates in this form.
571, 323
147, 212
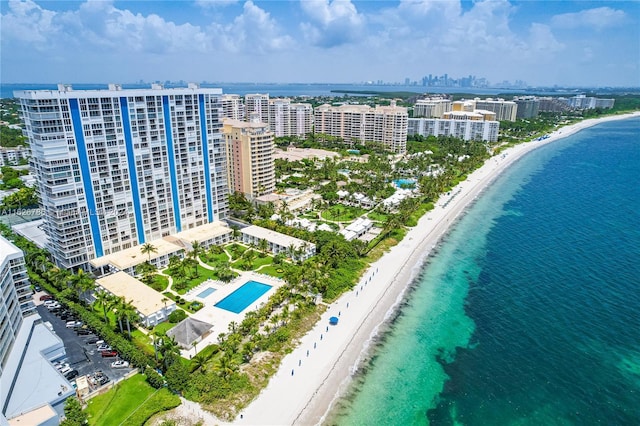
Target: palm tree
227, 366
148, 248
82, 282
196, 250
130, 314
199, 362
169, 350
107, 300
120, 311
263, 245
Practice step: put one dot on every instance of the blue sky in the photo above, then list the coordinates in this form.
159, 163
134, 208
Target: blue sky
576, 43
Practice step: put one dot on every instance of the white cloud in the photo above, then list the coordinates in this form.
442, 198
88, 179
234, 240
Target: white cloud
28, 22
598, 18
214, 4
333, 23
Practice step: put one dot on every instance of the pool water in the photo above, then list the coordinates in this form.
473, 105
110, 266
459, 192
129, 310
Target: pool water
206, 292
408, 182
240, 299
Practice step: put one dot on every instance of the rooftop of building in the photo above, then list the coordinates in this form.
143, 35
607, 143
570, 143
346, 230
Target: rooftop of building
33, 232
66, 91
35, 380
168, 245
145, 299
133, 256
7, 249
274, 237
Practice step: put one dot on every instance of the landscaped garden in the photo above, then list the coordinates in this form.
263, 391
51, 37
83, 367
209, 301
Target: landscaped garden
342, 213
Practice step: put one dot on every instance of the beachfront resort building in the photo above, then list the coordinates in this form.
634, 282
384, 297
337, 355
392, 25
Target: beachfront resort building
152, 306
362, 124
431, 107
117, 168
250, 147
293, 247
528, 106
589, 102
458, 124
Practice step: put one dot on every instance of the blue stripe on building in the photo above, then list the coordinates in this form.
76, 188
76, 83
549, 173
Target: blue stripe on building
133, 174
172, 163
205, 156
85, 170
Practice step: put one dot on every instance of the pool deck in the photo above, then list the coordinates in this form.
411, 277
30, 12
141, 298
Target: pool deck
221, 318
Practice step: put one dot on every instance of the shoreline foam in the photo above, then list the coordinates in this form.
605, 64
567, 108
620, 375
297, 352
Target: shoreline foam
316, 374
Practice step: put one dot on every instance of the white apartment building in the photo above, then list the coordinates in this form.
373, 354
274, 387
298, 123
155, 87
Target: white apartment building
361, 124
466, 129
257, 103
250, 150
290, 119
15, 296
232, 107
431, 107
589, 102
117, 168
13, 156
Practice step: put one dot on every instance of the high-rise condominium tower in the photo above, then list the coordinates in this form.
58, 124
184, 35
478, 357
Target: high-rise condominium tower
117, 168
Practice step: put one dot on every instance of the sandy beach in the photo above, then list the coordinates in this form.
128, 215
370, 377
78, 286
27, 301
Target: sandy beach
318, 371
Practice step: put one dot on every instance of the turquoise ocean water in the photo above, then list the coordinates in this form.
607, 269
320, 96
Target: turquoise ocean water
529, 313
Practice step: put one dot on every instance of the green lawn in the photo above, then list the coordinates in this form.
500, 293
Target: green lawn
377, 216
235, 250
255, 263
342, 213
130, 402
272, 270
160, 282
215, 259
203, 275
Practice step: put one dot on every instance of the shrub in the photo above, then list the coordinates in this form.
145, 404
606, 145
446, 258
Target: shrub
154, 379
177, 316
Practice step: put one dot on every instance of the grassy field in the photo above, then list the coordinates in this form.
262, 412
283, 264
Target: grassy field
342, 213
130, 402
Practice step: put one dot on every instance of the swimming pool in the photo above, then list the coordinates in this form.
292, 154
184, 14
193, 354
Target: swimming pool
411, 183
238, 301
206, 292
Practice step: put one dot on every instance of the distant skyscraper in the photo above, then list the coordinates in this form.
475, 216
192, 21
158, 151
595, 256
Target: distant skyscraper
250, 157
117, 168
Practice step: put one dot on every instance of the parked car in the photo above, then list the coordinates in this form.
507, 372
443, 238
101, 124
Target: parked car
65, 370
73, 324
83, 331
120, 364
53, 306
92, 340
37, 288
71, 375
46, 297
104, 347
50, 301
60, 365
108, 354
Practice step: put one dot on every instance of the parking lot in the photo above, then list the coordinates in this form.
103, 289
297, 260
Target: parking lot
81, 356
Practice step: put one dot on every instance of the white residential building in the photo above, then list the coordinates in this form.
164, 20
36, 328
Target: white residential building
466, 129
289, 119
13, 156
117, 168
362, 124
257, 103
278, 243
232, 107
15, 296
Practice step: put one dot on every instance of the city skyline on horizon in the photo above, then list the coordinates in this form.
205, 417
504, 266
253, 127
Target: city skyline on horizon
571, 44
